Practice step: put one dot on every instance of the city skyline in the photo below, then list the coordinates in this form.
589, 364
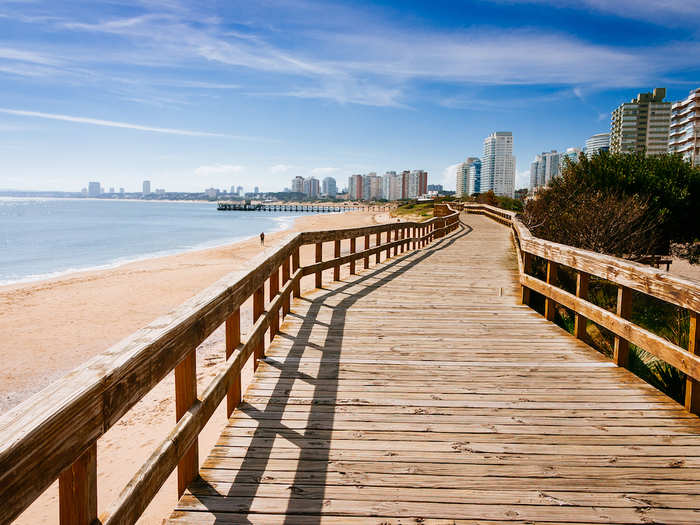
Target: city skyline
195, 96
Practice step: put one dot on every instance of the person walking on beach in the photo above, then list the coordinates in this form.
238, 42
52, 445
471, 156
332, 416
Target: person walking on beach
262, 238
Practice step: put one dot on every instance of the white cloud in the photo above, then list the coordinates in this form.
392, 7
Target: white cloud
218, 169
22, 55
111, 123
280, 168
449, 176
522, 179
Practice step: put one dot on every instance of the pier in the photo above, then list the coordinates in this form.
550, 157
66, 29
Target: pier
308, 208
417, 387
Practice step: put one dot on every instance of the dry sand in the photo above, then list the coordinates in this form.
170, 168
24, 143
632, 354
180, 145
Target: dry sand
50, 327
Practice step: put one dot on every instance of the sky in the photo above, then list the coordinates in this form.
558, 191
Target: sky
192, 95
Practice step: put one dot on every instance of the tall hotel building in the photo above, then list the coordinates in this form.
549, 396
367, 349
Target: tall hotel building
642, 124
596, 143
468, 177
685, 128
498, 164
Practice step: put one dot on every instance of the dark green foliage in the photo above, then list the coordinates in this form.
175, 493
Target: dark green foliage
652, 199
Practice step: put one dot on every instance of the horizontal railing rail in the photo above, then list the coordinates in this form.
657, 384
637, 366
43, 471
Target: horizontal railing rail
53, 435
627, 276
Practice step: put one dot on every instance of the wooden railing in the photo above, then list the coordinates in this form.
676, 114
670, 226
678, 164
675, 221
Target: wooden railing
627, 276
54, 433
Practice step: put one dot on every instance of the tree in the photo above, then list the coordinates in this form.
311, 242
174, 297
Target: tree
619, 204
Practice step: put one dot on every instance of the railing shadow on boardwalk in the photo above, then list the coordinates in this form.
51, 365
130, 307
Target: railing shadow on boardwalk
312, 459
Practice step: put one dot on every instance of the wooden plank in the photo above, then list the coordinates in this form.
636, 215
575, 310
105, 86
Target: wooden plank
77, 490
550, 306
624, 311
274, 288
336, 255
233, 339
692, 386
319, 258
580, 322
185, 397
258, 309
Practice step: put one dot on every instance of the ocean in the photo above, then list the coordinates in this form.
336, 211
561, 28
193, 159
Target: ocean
43, 238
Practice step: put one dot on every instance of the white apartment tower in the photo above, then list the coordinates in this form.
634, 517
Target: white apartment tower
465, 182
641, 124
685, 128
498, 164
597, 143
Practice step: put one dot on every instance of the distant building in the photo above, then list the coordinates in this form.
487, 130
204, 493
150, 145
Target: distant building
111, 189
596, 143
146, 187
371, 187
474, 185
212, 193
498, 164
544, 168
160, 191
417, 183
642, 124
355, 188
239, 190
329, 188
386, 184
256, 190
685, 128
121, 191
298, 184
93, 189
233, 190
435, 187
571, 154
462, 181
311, 187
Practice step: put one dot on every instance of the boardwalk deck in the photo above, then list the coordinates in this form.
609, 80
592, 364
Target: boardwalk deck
421, 391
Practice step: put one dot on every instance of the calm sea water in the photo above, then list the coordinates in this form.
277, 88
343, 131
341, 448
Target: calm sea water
42, 238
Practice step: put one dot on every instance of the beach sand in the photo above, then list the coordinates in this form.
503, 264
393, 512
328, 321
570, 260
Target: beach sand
50, 327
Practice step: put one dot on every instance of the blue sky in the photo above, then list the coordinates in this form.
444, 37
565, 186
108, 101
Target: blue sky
200, 94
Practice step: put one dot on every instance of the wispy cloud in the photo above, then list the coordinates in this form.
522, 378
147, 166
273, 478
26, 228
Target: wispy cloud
218, 169
111, 123
324, 171
449, 176
280, 168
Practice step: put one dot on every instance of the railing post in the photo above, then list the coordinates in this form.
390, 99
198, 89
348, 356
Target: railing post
378, 242
274, 290
395, 250
353, 249
295, 267
258, 309
366, 248
550, 307
233, 339
185, 396
624, 310
413, 236
527, 268
692, 386
388, 240
77, 490
285, 280
336, 254
319, 258
580, 322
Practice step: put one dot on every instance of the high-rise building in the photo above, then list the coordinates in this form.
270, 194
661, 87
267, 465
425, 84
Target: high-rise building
498, 164
298, 184
685, 128
256, 190
463, 187
146, 187
596, 143
641, 124
311, 187
355, 188
571, 154
239, 191
371, 187
474, 177
93, 189
417, 183
329, 187
544, 168
386, 185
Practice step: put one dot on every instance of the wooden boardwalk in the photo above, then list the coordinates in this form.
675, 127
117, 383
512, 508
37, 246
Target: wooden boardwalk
421, 391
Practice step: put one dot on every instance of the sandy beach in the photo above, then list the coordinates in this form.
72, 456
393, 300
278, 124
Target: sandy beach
50, 327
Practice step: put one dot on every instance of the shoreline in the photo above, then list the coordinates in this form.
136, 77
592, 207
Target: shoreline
55, 325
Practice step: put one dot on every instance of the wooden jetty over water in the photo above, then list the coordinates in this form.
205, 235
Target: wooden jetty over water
420, 389
313, 208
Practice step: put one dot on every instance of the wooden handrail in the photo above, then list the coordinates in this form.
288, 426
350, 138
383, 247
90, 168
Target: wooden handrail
53, 434
628, 276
